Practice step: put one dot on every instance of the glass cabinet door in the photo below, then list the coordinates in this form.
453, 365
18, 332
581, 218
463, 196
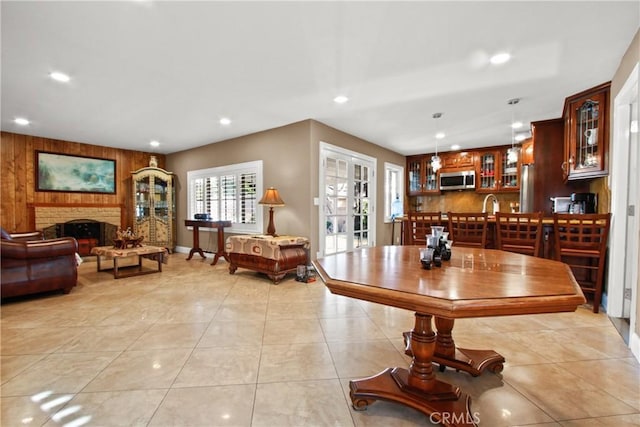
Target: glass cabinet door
487, 171
587, 150
587, 133
414, 170
161, 199
143, 198
431, 179
509, 176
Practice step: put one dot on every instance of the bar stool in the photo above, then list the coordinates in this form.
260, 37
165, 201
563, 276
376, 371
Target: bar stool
581, 242
419, 224
468, 229
519, 232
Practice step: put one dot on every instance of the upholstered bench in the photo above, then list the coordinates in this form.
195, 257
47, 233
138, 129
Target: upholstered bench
273, 256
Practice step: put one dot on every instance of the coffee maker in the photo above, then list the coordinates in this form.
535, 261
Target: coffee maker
583, 203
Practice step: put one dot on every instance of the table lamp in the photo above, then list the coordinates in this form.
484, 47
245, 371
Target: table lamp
271, 198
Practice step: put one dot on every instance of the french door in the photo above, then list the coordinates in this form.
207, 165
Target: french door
347, 191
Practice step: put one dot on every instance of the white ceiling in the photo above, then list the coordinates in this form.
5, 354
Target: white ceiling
143, 70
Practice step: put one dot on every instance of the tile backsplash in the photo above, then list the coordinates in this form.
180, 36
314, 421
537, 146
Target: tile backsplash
459, 201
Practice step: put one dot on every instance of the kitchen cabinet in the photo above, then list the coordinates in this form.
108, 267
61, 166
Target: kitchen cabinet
496, 173
421, 178
527, 152
457, 160
586, 137
154, 207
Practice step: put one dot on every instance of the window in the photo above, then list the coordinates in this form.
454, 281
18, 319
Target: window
393, 190
228, 193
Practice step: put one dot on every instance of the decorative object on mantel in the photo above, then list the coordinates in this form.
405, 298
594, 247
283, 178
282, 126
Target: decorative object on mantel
271, 198
153, 161
127, 239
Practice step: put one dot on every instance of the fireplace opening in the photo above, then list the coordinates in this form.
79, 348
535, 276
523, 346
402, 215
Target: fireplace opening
87, 232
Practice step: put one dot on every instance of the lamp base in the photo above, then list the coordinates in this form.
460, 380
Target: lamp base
271, 228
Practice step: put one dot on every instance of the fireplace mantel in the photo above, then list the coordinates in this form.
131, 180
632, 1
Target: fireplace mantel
48, 214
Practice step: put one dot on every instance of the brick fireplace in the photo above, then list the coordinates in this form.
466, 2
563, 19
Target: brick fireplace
90, 225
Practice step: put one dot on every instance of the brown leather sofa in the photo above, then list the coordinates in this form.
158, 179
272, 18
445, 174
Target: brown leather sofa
29, 264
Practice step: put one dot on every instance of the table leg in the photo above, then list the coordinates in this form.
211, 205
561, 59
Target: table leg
462, 359
220, 253
471, 361
196, 244
416, 387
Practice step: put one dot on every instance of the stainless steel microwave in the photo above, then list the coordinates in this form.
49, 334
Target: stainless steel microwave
460, 180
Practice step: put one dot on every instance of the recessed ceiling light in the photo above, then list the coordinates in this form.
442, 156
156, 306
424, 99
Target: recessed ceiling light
455, 147
500, 58
516, 125
21, 121
61, 77
340, 99
440, 135
154, 143
225, 121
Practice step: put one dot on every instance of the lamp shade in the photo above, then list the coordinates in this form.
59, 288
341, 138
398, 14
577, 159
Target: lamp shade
271, 198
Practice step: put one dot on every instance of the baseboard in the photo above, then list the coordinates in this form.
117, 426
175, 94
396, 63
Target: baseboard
185, 250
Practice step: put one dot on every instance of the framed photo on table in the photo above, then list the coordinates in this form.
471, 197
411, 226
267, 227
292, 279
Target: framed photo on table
79, 174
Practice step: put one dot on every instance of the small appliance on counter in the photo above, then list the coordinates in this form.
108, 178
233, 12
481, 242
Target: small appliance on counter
560, 204
583, 203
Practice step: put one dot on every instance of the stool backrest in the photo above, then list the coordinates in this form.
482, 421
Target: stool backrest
519, 232
420, 225
468, 229
581, 232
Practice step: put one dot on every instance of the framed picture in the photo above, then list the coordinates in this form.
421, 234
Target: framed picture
63, 172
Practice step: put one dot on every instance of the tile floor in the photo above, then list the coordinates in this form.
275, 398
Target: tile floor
195, 346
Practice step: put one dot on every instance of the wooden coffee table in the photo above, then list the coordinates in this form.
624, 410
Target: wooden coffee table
109, 252
475, 283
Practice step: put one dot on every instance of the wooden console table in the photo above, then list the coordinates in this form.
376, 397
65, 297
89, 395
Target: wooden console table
475, 283
273, 256
220, 226
150, 252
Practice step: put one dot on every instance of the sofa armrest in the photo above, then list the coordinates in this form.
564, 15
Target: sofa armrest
39, 248
27, 236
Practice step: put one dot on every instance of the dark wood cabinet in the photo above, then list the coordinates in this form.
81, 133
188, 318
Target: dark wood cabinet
586, 134
457, 160
547, 137
420, 176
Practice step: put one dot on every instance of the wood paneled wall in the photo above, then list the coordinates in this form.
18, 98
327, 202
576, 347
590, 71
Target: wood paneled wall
17, 180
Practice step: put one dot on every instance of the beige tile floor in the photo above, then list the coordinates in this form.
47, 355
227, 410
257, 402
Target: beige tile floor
195, 346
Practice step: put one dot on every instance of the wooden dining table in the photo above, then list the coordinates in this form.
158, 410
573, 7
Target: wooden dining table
474, 283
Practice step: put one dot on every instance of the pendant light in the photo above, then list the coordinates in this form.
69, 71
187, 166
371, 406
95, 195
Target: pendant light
436, 163
512, 153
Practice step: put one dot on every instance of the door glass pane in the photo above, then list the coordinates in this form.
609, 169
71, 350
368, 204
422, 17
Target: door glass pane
347, 205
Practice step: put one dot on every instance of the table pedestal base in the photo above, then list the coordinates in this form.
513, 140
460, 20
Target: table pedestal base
417, 387
447, 354
444, 404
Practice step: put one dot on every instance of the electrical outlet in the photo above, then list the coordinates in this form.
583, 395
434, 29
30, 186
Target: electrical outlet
627, 293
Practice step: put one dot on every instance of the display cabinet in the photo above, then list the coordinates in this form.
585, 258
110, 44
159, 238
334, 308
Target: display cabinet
586, 139
421, 178
154, 207
496, 173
